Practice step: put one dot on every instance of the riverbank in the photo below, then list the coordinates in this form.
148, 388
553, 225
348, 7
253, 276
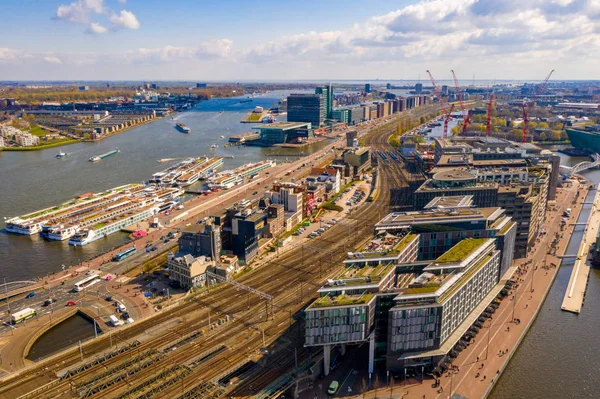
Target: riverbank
41, 147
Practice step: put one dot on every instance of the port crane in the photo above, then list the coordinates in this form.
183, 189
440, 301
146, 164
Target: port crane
528, 106
488, 125
466, 114
441, 101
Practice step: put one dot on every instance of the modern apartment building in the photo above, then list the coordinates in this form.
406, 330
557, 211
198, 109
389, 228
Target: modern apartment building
456, 182
412, 306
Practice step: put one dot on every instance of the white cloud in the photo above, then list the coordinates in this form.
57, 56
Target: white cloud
125, 19
122, 1
492, 38
53, 60
80, 11
96, 29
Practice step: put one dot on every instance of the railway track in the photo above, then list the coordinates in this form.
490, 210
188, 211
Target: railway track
183, 371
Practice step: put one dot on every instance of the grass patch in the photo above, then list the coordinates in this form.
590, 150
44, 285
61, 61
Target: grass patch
38, 131
331, 207
462, 250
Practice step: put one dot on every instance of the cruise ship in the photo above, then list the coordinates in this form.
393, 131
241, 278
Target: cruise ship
95, 215
187, 172
230, 178
87, 235
35, 222
200, 171
588, 139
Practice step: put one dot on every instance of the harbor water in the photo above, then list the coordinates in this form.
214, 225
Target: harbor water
34, 180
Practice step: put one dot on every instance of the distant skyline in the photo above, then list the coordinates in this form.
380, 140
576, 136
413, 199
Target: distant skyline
238, 40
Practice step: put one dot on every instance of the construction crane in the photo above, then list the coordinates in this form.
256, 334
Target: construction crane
528, 106
447, 119
441, 101
466, 115
488, 126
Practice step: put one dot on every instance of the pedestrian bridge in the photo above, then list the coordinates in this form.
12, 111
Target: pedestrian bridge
581, 166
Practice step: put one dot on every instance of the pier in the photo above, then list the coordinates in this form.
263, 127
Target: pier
573, 300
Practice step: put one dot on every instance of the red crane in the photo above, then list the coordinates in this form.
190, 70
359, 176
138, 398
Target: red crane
441, 101
528, 106
488, 126
466, 115
447, 119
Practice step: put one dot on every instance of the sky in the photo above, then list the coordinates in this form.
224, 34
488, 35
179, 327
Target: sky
245, 40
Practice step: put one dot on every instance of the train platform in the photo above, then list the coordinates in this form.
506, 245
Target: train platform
575, 294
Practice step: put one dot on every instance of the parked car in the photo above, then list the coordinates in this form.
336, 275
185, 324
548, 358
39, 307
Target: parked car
30, 295
71, 303
108, 278
333, 387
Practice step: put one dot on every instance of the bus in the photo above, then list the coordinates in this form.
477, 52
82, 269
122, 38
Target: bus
21, 315
124, 254
86, 282
373, 196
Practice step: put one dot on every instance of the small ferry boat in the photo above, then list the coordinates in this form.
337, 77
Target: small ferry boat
221, 137
61, 154
213, 146
182, 128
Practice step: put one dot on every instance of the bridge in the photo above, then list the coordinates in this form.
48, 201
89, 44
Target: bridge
581, 166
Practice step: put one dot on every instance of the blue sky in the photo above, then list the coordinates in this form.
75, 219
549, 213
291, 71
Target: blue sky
289, 39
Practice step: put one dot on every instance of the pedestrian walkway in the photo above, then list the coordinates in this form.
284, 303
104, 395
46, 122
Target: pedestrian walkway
573, 300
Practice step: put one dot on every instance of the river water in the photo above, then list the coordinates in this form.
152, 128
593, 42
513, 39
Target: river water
34, 180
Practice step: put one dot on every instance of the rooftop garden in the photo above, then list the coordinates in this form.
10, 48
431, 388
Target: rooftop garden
461, 251
342, 300
422, 290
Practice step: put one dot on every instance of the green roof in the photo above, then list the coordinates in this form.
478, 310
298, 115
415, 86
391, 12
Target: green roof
404, 242
461, 251
342, 300
422, 290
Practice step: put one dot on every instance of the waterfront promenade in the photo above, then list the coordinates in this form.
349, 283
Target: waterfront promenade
480, 365
575, 294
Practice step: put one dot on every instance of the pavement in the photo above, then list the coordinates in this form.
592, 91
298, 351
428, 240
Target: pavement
480, 365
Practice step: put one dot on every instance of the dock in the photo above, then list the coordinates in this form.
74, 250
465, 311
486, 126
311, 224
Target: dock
573, 300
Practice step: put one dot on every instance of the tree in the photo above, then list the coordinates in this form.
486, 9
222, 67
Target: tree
532, 125
563, 135
554, 135
543, 125
543, 136
516, 134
